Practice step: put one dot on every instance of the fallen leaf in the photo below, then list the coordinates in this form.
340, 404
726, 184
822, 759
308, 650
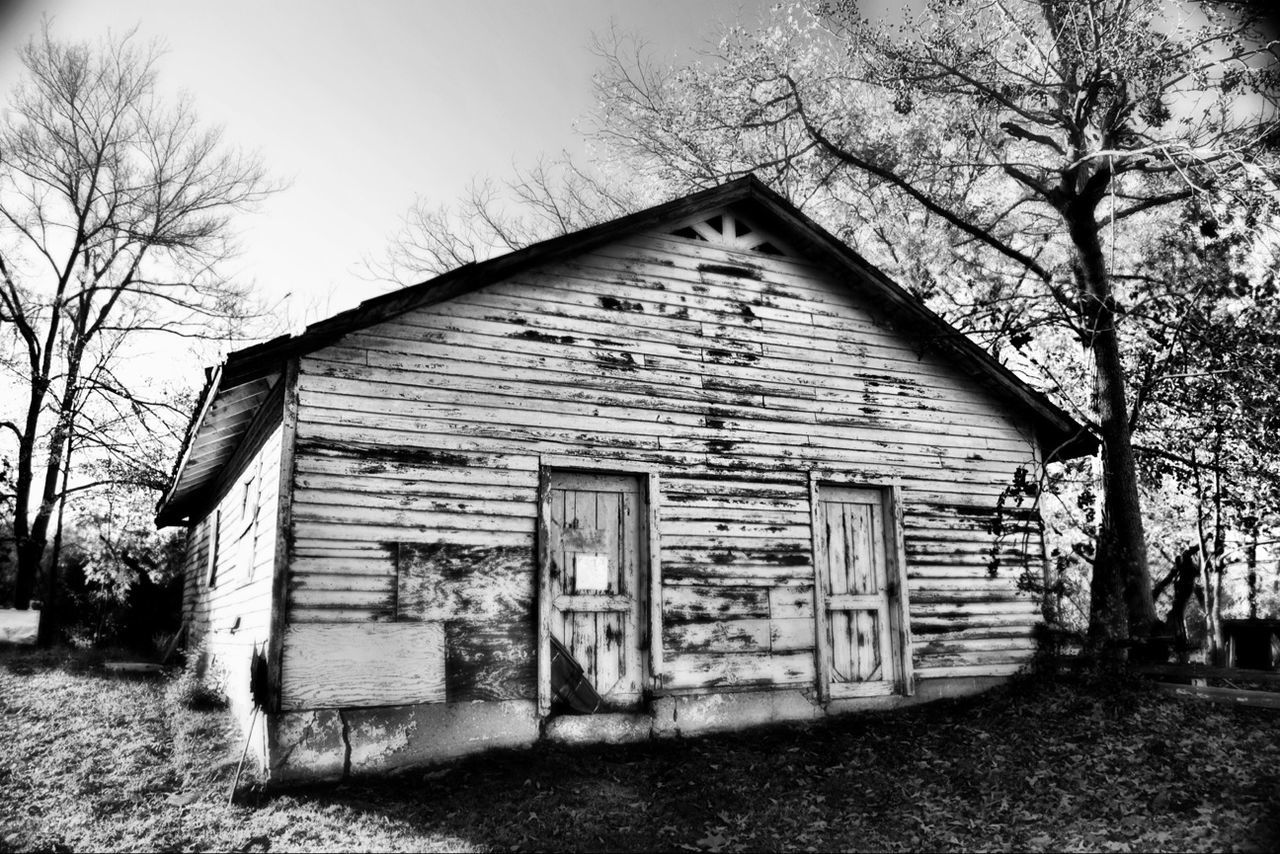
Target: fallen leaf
714, 842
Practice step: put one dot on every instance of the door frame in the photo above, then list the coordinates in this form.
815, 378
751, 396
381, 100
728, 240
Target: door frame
899, 653
650, 490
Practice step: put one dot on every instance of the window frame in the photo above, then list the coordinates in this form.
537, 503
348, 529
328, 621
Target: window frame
215, 534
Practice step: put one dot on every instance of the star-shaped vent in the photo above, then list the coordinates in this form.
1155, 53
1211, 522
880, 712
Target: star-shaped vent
732, 232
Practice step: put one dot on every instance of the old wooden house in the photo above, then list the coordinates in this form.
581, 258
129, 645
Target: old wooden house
703, 463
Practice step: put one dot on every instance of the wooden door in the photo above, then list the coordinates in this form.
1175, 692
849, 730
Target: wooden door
596, 579
852, 575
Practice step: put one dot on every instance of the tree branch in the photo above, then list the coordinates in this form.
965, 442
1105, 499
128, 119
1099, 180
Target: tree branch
851, 159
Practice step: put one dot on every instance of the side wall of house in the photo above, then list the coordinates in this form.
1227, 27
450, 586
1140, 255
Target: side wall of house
229, 619
730, 374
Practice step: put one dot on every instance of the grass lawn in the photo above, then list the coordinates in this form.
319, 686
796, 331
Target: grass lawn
90, 762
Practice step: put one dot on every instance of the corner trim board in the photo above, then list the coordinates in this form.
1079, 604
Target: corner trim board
544, 590
284, 537
822, 670
900, 610
653, 496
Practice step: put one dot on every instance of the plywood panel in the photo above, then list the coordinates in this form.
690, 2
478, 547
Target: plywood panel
449, 581
489, 660
331, 666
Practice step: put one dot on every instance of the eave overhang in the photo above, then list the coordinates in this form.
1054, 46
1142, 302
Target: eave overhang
222, 417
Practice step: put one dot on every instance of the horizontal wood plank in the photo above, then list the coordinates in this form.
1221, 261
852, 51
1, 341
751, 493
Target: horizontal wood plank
712, 670
586, 603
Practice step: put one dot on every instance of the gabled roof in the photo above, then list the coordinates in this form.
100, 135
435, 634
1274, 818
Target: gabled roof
226, 404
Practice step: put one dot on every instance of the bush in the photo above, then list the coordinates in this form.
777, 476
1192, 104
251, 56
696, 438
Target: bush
119, 580
191, 688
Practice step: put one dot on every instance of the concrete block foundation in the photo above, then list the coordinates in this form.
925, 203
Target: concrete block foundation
306, 746
332, 744
599, 729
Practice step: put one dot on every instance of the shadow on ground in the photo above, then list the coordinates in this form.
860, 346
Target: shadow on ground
1034, 767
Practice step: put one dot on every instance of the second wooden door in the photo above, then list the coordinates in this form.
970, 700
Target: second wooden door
853, 585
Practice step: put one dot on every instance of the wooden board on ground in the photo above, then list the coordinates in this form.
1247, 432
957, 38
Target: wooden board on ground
1202, 671
1226, 696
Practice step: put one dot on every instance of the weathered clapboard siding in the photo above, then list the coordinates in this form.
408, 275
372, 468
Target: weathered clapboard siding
409, 401
423, 433
230, 618
793, 390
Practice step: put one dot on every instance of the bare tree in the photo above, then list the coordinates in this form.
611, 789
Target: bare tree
114, 216
549, 199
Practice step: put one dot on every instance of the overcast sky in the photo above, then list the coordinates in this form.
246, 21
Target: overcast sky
363, 106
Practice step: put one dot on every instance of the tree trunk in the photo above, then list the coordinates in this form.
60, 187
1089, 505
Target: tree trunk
32, 536
31, 547
47, 632
1108, 615
1251, 559
1212, 631
1122, 508
27, 552
1207, 568
1121, 587
1184, 577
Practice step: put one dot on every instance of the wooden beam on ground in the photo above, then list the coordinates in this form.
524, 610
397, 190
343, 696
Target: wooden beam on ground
1201, 671
1225, 696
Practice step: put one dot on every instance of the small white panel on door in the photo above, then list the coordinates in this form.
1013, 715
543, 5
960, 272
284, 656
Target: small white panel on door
590, 572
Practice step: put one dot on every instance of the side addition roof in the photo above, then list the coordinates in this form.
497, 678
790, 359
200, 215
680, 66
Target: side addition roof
233, 391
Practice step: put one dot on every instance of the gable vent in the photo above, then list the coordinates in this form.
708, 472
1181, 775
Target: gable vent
731, 232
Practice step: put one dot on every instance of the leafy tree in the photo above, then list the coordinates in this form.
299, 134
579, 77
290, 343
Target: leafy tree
114, 215
1041, 134
121, 579
1201, 342
1211, 407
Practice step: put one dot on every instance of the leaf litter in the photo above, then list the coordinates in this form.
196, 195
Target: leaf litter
1038, 765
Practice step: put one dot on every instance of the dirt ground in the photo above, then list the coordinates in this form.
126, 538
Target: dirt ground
94, 762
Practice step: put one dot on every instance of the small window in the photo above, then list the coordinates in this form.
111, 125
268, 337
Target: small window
215, 532
250, 504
